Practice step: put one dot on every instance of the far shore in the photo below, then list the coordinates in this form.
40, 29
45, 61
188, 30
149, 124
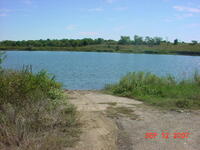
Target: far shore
131, 49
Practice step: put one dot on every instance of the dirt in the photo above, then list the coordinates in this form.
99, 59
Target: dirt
102, 131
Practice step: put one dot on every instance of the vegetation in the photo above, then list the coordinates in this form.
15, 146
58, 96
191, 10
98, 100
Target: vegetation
125, 44
115, 112
159, 91
2, 56
33, 112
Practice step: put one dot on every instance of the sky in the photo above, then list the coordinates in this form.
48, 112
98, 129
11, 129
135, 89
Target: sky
108, 19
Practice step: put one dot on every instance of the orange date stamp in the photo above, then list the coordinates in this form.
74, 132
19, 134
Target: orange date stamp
166, 135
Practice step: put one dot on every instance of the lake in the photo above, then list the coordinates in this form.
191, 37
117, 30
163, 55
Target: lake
92, 70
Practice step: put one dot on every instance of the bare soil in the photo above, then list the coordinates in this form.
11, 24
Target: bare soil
116, 123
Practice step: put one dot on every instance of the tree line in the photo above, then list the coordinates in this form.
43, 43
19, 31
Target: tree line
124, 40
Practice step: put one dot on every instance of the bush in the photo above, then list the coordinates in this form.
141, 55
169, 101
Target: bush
183, 103
21, 87
31, 116
159, 90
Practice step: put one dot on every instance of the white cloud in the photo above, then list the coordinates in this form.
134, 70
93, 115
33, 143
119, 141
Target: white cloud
187, 9
7, 12
178, 16
184, 16
71, 27
96, 9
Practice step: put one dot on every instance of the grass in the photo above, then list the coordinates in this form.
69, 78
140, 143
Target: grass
34, 112
164, 92
164, 48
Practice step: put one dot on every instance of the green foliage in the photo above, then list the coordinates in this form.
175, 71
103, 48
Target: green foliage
152, 45
19, 87
33, 113
175, 41
73, 43
194, 42
138, 40
197, 77
159, 91
125, 40
2, 56
183, 104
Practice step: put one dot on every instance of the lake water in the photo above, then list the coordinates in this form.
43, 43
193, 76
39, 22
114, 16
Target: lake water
92, 70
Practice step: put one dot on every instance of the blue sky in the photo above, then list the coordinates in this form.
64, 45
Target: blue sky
109, 19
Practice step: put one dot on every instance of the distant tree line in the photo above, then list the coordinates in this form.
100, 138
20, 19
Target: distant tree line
53, 43
139, 40
124, 40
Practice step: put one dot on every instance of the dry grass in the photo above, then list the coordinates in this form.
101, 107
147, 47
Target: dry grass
34, 113
38, 128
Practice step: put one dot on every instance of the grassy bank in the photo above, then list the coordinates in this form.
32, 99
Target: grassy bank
164, 48
159, 91
34, 113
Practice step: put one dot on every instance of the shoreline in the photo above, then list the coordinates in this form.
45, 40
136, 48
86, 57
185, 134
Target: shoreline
113, 122
156, 52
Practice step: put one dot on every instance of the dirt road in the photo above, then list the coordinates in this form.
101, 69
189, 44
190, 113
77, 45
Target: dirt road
115, 123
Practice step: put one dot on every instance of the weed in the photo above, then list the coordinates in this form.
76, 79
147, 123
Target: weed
159, 91
34, 113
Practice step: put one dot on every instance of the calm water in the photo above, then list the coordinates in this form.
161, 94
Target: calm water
83, 70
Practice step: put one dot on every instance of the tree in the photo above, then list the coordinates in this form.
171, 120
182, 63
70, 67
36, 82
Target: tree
99, 41
149, 41
175, 41
125, 40
157, 40
194, 42
138, 40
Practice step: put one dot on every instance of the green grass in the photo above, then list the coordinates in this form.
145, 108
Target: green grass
34, 112
164, 48
164, 92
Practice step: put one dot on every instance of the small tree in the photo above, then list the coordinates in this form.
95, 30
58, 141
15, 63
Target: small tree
194, 42
175, 41
125, 40
138, 40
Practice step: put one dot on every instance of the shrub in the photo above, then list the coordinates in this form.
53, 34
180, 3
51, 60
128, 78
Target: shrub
183, 103
33, 113
159, 90
20, 88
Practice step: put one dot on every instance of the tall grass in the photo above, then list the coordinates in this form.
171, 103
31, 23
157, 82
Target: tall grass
2, 56
159, 91
33, 113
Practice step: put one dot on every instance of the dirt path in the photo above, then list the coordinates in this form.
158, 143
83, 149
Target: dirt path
115, 123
